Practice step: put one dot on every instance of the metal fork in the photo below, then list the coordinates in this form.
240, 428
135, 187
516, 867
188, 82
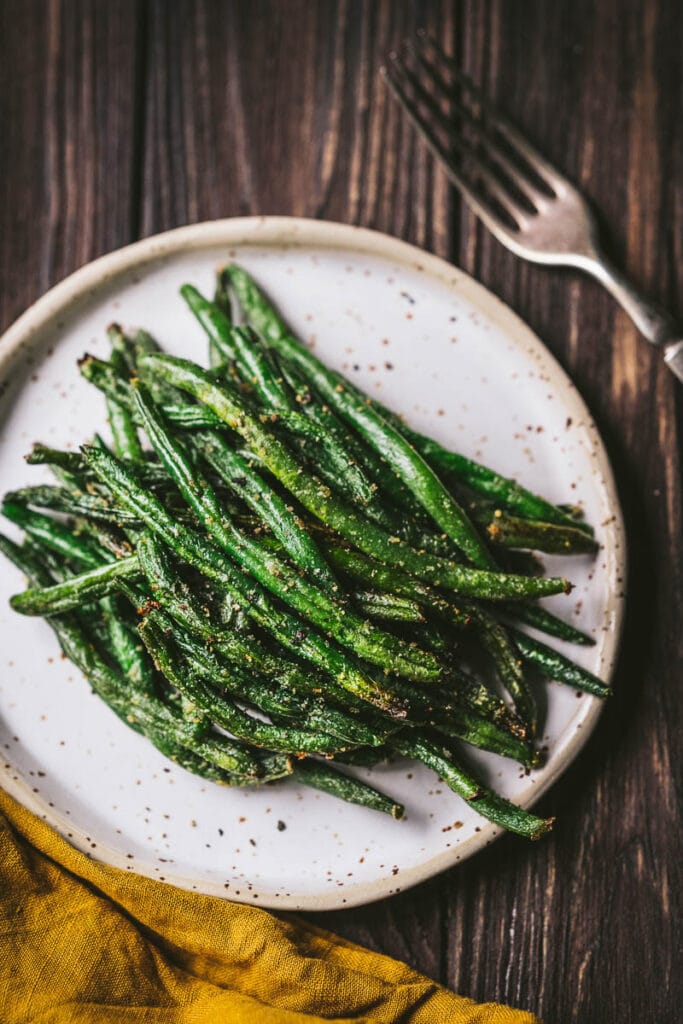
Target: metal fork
523, 200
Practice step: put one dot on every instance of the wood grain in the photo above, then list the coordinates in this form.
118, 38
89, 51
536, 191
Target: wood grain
124, 119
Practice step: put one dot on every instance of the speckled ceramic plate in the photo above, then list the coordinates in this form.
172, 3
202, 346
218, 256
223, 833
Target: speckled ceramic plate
432, 344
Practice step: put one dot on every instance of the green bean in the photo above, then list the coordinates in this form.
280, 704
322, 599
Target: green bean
66, 467
192, 762
364, 757
237, 473
108, 380
215, 321
211, 562
553, 538
556, 666
503, 490
341, 517
474, 694
361, 568
404, 460
576, 513
330, 459
272, 767
262, 315
543, 620
191, 417
143, 341
497, 642
165, 725
122, 349
250, 609
124, 433
41, 455
281, 704
76, 590
489, 805
55, 535
348, 629
222, 300
256, 368
225, 713
103, 376
361, 470
330, 780
245, 654
145, 711
126, 648
133, 706
464, 724
108, 537
387, 607
61, 499
151, 472
241, 346
380, 429
127, 349
178, 600
364, 569
72, 592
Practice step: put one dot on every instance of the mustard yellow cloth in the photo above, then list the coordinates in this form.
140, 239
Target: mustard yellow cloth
82, 942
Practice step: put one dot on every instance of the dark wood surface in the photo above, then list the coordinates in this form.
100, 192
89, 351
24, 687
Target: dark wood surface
120, 119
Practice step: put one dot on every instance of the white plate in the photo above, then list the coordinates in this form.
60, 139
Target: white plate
430, 343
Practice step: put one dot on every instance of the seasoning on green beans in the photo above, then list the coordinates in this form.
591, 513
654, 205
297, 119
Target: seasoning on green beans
265, 572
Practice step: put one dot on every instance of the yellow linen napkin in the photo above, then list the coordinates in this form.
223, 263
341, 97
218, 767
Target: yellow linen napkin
81, 942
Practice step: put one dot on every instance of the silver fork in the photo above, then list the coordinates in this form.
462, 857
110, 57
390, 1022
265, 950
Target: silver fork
523, 200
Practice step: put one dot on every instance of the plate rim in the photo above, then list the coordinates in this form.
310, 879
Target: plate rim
284, 232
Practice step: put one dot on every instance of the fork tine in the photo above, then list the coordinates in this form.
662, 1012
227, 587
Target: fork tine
545, 171
482, 209
514, 209
511, 171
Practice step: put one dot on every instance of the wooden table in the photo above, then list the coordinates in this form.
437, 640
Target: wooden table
124, 118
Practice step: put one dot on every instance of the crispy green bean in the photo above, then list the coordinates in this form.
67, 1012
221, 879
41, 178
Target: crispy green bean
54, 534
75, 591
488, 804
211, 562
82, 503
342, 623
330, 779
224, 712
134, 706
544, 620
556, 666
124, 432
241, 347
318, 499
553, 538
263, 316
240, 476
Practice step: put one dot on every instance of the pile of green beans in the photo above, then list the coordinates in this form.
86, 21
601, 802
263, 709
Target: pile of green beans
270, 576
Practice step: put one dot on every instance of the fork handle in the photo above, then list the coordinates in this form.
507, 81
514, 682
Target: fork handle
653, 322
